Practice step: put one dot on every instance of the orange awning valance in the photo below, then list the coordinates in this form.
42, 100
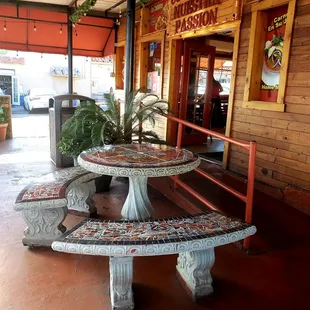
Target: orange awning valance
27, 29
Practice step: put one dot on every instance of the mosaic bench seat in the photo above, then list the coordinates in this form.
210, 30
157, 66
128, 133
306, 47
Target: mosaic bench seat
45, 203
192, 237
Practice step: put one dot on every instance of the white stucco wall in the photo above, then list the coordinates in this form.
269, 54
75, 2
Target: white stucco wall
35, 72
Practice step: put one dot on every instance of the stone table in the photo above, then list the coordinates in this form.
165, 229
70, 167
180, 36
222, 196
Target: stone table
138, 162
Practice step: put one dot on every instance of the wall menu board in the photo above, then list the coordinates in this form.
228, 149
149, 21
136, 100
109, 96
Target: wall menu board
273, 50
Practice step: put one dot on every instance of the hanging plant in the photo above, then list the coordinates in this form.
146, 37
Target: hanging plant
82, 10
144, 2
87, 5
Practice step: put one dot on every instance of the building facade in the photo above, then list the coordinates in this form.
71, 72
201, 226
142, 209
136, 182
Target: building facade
177, 47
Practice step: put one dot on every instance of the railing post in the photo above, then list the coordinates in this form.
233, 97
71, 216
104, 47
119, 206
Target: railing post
250, 189
179, 143
180, 135
140, 124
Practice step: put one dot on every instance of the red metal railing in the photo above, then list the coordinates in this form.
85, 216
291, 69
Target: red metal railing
250, 147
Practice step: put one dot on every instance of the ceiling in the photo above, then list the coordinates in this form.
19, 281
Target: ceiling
101, 5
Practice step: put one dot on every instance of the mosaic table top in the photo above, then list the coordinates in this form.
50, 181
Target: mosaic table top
138, 160
50, 186
138, 155
162, 231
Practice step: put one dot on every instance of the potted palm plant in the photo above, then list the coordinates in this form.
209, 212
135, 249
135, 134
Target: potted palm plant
4, 118
97, 127
90, 126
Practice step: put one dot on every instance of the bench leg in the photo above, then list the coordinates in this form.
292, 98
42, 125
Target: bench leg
80, 200
121, 274
137, 205
193, 270
43, 225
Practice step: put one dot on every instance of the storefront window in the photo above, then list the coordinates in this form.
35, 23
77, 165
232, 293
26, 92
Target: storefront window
154, 68
151, 63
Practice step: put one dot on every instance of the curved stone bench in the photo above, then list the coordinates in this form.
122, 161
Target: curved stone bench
45, 202
192, 237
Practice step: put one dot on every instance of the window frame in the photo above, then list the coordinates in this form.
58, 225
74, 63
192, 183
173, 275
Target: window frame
145, 41
255, 58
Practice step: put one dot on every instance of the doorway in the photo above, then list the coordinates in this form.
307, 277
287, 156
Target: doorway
196, 89
205, 65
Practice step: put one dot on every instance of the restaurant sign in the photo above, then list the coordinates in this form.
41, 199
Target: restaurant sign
191, 15
12, 60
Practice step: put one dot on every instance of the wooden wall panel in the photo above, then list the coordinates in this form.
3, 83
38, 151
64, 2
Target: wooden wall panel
283, 138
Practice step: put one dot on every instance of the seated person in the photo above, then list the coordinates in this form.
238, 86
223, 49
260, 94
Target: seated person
217, 117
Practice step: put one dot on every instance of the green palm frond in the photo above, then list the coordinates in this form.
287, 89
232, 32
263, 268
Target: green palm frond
91, 126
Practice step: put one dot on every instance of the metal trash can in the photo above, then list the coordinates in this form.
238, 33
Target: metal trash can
60, 109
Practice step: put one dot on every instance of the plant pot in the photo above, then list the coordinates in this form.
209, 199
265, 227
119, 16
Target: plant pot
3, 128
75, 162
103, 183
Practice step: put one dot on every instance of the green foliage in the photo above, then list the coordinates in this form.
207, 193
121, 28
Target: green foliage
90, 126
86, 6
143, 2
70, 147
82, 9
4, 116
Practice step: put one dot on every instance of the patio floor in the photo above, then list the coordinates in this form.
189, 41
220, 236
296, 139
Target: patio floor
43, 279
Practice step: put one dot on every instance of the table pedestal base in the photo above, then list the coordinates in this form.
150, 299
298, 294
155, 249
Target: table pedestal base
137, 205
193, 269
121, 274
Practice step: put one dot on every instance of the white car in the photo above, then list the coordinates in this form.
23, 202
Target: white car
38, 98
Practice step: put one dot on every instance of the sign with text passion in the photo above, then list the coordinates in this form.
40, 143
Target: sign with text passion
273, 49
192, 15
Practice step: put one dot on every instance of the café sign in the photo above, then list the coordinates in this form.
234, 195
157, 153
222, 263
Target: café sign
191, 15
12, 60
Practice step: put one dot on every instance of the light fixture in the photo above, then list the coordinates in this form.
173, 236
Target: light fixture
117, 22
41, 55
4, 27
34, 26
16, 53
86, 59
120, 12
60, 31
65, 57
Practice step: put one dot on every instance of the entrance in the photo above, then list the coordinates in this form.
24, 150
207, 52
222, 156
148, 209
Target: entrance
196, 91
202, 75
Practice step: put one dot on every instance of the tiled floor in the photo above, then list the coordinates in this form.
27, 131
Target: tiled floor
47, 280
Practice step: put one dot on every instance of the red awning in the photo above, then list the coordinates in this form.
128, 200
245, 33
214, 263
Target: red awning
46, 32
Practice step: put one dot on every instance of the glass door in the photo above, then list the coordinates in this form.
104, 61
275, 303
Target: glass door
196, 89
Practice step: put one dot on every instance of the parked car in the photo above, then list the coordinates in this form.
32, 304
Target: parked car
37, 98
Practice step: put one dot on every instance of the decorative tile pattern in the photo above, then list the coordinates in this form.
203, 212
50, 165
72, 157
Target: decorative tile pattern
137, 155
149, 238
51, 186
157, 231
138, 160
